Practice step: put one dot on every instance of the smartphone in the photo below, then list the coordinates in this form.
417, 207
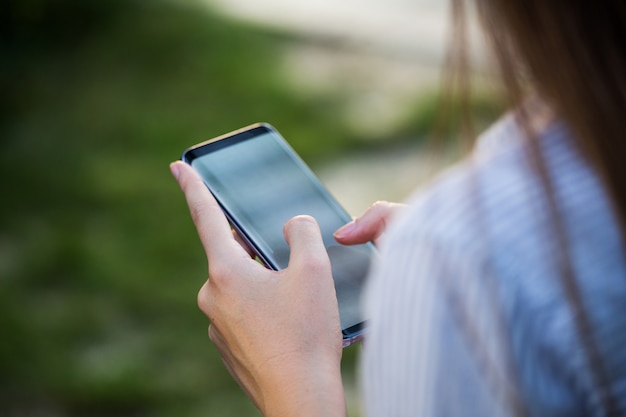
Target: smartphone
260, 183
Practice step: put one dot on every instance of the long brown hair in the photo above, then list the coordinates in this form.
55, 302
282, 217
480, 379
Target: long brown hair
574, 55
571, 54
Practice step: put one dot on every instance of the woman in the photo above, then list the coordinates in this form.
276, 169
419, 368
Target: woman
501, 288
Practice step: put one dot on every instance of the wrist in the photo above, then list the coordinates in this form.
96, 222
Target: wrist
297, 388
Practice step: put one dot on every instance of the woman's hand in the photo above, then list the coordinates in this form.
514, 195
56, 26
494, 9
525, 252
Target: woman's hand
278, 332
370, 226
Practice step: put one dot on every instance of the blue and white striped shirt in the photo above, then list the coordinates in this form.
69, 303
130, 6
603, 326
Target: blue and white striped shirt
468, 316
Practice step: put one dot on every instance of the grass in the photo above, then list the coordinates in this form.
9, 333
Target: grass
99, 260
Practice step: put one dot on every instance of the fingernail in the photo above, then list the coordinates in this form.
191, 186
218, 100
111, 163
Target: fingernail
174, 169
345, 230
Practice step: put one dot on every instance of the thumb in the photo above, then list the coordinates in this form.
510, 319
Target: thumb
307, 249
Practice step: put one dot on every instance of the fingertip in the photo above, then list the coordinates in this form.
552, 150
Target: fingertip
185, 175
301, 221
301, 228
175, 169
178, 169
307, 250
344, 231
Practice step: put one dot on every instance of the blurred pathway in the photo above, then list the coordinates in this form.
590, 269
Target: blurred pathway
381, 54
359, 180
403, 27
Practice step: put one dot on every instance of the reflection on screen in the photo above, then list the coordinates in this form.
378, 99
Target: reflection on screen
263, 186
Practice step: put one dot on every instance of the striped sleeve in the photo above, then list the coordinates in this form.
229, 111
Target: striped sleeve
433, 347
466, 307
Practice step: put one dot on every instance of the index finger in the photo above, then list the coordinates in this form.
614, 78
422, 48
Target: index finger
212, 225
369, 226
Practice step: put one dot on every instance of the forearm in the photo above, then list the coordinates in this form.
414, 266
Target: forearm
316, 392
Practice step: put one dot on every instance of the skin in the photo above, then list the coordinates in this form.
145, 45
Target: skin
369, 227
257, 315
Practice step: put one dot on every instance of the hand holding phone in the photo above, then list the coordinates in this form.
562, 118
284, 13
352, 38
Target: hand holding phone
260, 183
257, 314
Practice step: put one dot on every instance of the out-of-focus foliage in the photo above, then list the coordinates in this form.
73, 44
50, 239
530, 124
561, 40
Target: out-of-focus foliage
99, 262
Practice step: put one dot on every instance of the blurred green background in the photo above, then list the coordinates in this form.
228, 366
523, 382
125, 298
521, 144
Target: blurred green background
99, 261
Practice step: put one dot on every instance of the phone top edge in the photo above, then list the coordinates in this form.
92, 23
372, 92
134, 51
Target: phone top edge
184, 157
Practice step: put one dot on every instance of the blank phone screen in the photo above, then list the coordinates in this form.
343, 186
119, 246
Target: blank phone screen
261, 184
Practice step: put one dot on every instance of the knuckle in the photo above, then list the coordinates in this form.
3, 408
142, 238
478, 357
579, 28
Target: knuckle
219, 271
204, 299
213, 333
317, 264
198, 212
381, 206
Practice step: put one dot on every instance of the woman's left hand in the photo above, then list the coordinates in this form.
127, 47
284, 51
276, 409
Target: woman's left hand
278, 332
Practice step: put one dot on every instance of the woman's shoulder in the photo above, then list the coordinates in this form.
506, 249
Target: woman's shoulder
497, 188
451, 205
494, 214
489, 220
